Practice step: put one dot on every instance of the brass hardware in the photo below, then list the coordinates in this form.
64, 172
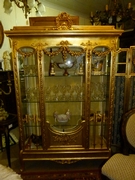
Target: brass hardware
9, 84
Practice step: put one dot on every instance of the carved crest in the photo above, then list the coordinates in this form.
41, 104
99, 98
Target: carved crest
64, 21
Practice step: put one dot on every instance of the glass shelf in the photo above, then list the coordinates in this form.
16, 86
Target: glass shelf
100, 75
64, 101
25, 101
98, 100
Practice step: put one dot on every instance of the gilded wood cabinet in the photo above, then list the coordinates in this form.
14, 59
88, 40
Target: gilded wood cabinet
64, 80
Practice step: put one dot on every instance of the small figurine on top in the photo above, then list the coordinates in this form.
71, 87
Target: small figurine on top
7, 61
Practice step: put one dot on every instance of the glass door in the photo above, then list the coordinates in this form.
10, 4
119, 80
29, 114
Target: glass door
64, 72
29, 88
99, 107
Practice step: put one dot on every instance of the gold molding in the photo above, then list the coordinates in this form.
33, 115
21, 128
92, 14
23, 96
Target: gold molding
65, 161
64, 50
65, 138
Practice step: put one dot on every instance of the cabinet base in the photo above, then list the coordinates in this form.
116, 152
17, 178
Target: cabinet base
94, 174
49, 170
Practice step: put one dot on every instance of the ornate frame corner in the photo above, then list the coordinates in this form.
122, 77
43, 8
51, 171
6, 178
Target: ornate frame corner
1, 34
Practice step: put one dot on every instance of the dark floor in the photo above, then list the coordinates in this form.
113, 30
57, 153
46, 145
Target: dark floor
15, 164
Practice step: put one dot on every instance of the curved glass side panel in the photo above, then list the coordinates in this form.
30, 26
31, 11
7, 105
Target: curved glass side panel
100, 81
27, 60
64, 87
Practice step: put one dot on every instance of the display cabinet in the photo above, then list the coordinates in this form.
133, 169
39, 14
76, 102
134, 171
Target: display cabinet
64, 80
